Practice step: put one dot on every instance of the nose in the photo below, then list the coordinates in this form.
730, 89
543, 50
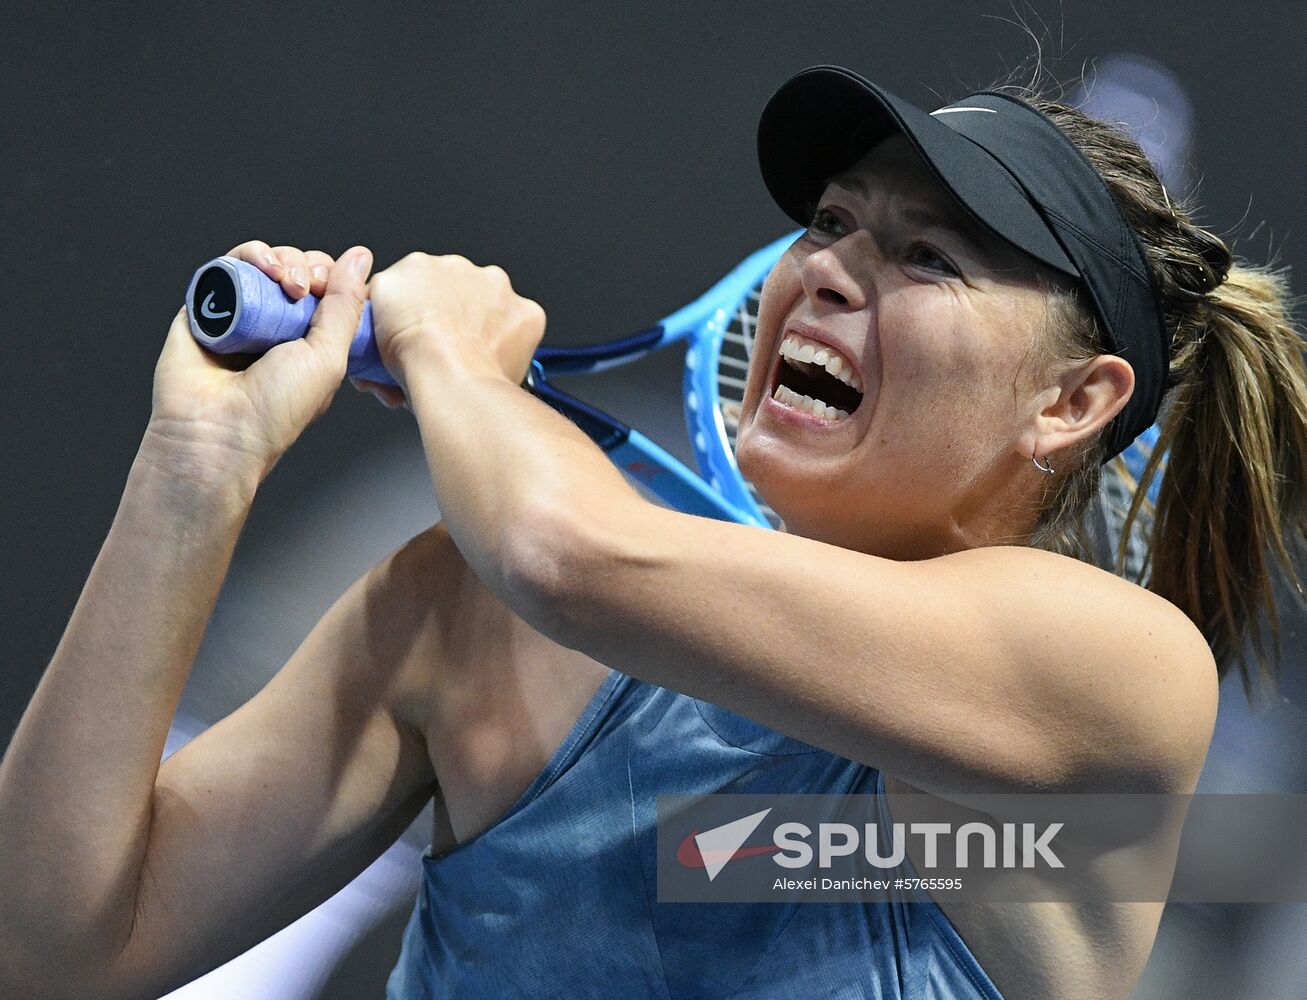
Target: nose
829, 277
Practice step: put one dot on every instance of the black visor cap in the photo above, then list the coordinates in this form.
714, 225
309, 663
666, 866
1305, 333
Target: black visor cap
1011, 169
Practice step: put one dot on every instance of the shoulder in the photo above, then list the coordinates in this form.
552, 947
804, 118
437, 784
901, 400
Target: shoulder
1140, 668
1049, 580
1092, 605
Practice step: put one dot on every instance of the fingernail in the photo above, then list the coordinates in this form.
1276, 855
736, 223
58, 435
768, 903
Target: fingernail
297, 277
320, 273
272, 262
362, 265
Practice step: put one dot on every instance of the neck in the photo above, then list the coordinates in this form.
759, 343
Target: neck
998, 508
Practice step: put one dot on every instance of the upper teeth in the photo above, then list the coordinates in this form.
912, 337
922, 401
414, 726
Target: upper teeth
798, 348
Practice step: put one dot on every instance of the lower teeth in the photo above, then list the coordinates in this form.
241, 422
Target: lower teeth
784, 394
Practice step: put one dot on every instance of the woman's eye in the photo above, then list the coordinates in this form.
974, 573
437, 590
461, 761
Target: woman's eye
931, 259
826, 222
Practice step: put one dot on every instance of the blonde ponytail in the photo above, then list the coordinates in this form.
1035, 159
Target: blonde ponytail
1231, 460
1232, 503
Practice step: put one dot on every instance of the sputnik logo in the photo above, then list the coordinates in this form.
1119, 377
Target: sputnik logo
711, 849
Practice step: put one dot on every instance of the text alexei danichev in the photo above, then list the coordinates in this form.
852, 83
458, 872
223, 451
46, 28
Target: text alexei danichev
862, 884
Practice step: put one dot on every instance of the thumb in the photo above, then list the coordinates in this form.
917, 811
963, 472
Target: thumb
336, 319
180, 348
178, 333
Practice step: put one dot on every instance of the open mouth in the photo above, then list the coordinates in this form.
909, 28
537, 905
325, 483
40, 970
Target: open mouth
816, 379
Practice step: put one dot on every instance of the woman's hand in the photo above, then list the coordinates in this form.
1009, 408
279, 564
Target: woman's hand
448, 314
251, 412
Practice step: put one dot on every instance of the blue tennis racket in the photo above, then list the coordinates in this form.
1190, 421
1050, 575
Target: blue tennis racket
234, 308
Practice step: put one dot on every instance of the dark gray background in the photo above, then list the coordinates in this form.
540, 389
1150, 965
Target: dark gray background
603, 153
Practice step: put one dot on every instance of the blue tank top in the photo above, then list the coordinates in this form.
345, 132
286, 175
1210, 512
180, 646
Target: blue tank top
558, 898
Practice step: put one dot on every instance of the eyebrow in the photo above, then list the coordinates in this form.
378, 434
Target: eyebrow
925, 217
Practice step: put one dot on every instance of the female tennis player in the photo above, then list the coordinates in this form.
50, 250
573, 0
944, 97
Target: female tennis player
988, 302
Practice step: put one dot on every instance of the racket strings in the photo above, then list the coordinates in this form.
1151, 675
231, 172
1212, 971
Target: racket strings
732, 361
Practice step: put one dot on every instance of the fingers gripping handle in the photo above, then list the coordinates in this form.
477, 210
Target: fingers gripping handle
234, 308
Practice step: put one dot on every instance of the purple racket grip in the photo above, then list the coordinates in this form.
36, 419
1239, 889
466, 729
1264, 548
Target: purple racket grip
234, 308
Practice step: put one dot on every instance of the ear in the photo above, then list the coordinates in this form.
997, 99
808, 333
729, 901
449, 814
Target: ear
1083, 402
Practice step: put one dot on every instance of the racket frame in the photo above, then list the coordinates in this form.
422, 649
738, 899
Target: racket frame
718, 490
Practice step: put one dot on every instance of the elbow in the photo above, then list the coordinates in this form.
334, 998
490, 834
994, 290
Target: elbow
45, 954
33, 974
32, 963
558, 573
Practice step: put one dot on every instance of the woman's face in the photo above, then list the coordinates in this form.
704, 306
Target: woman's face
907, 299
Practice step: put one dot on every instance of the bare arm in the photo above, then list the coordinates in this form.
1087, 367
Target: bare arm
77, 778
118, 870
142, 876
996, 669
282, 803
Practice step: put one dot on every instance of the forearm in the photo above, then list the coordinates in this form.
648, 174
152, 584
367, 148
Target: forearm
77, 779
510, 481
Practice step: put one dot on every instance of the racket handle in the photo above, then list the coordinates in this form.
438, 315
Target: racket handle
234, 308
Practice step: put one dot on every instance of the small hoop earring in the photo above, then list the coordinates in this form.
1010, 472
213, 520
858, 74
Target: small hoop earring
1046, 467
